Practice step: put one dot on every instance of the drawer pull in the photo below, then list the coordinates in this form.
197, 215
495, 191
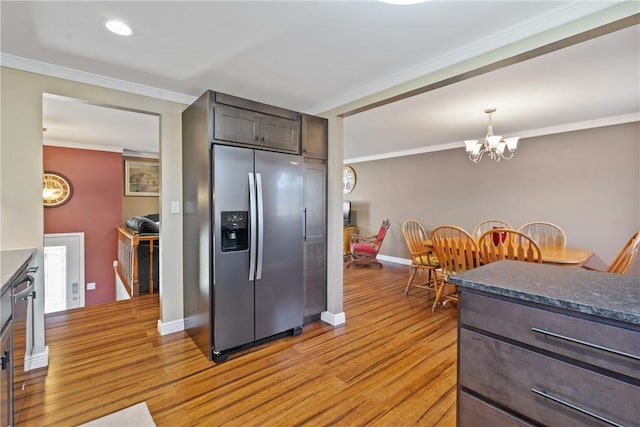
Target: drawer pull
574, 407
585, 343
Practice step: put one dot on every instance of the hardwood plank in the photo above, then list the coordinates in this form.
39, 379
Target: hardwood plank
392, 363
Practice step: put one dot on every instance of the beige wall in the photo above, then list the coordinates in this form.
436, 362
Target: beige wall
21, 222
587, 182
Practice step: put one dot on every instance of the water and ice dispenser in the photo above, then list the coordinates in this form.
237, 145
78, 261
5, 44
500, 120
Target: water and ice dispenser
234, 230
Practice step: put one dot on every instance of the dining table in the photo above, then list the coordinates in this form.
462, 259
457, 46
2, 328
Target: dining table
564, 256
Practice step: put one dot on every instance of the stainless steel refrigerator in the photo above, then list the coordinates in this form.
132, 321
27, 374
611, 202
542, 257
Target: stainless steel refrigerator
249, 283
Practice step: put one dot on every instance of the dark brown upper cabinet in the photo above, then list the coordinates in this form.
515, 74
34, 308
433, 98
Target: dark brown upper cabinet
252, 128
315, 137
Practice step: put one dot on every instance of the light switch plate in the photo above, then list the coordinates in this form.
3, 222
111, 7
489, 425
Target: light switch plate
175, 207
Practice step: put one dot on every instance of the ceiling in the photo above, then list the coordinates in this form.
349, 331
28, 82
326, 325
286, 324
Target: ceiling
314, 56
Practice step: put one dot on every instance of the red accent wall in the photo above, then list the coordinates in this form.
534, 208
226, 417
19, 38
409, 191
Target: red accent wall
95, 208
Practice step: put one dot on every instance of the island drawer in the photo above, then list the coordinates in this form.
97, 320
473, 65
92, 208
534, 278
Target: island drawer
614, 348
543, 388
473, 412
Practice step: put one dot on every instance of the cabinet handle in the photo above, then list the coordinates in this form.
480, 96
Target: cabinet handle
4, 360
585, 343
574, 407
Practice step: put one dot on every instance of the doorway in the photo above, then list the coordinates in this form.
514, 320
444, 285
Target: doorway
89, 143
63, 271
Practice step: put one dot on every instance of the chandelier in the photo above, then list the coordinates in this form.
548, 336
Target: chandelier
493, 145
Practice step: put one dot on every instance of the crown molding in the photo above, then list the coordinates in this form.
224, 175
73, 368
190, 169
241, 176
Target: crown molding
81, 145
568, 127
33, 66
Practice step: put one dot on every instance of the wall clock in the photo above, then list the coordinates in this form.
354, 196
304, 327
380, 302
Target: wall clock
348, 179
56, 189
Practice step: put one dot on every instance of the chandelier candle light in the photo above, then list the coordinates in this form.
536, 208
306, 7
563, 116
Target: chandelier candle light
494, 145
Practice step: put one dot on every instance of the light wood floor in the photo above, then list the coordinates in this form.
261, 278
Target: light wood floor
392, 363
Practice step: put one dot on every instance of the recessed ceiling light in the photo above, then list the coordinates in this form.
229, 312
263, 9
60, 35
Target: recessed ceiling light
118, 27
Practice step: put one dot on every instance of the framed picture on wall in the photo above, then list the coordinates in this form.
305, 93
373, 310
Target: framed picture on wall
141, 178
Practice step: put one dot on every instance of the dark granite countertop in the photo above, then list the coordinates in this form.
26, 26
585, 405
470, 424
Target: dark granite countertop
11, 263
611, 296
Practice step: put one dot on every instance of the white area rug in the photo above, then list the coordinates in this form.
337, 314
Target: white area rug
134, 416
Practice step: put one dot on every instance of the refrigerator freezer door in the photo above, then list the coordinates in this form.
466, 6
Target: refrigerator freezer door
233, 308
279, 293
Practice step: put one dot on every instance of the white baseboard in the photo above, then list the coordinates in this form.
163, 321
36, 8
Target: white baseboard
333, 319
394, 259
170, 327
37, 360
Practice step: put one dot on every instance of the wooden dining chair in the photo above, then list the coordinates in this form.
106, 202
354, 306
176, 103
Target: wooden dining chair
457, 251
545, 234
422, 258
488, 225
505, 243
624, 259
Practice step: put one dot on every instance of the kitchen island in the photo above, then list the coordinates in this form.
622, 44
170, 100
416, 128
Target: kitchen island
13, 270
540, 344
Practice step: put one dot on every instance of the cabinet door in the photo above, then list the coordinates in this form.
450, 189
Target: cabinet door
315, 137
315, 243
538, 386
279, 133
474, 412
236, 125
590, 341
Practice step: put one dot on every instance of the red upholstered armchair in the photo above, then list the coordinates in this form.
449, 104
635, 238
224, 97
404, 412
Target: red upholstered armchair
364, 250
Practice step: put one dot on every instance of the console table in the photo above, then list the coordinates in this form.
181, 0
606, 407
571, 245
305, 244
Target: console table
346, 238
542, 344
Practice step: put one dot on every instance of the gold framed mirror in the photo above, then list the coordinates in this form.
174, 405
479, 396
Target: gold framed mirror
56, 189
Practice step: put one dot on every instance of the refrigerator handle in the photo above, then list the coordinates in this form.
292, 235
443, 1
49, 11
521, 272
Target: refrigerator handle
260, 225
304, 225
252, 227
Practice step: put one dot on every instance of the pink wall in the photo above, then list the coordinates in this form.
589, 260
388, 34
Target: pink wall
95, 208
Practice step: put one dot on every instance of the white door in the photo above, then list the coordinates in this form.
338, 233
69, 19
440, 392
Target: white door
63, 271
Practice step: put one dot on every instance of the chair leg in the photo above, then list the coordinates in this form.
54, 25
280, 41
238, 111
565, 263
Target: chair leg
411, 276
439, 288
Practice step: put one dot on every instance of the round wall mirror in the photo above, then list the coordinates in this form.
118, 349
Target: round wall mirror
56, 189
348, 179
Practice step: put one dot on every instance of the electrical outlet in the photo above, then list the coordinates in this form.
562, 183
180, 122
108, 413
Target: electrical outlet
91, 286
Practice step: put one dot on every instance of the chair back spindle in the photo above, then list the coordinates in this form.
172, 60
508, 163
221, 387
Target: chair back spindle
503, 243
457, 251
422, 258
488, 225
626, 256
545, 234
